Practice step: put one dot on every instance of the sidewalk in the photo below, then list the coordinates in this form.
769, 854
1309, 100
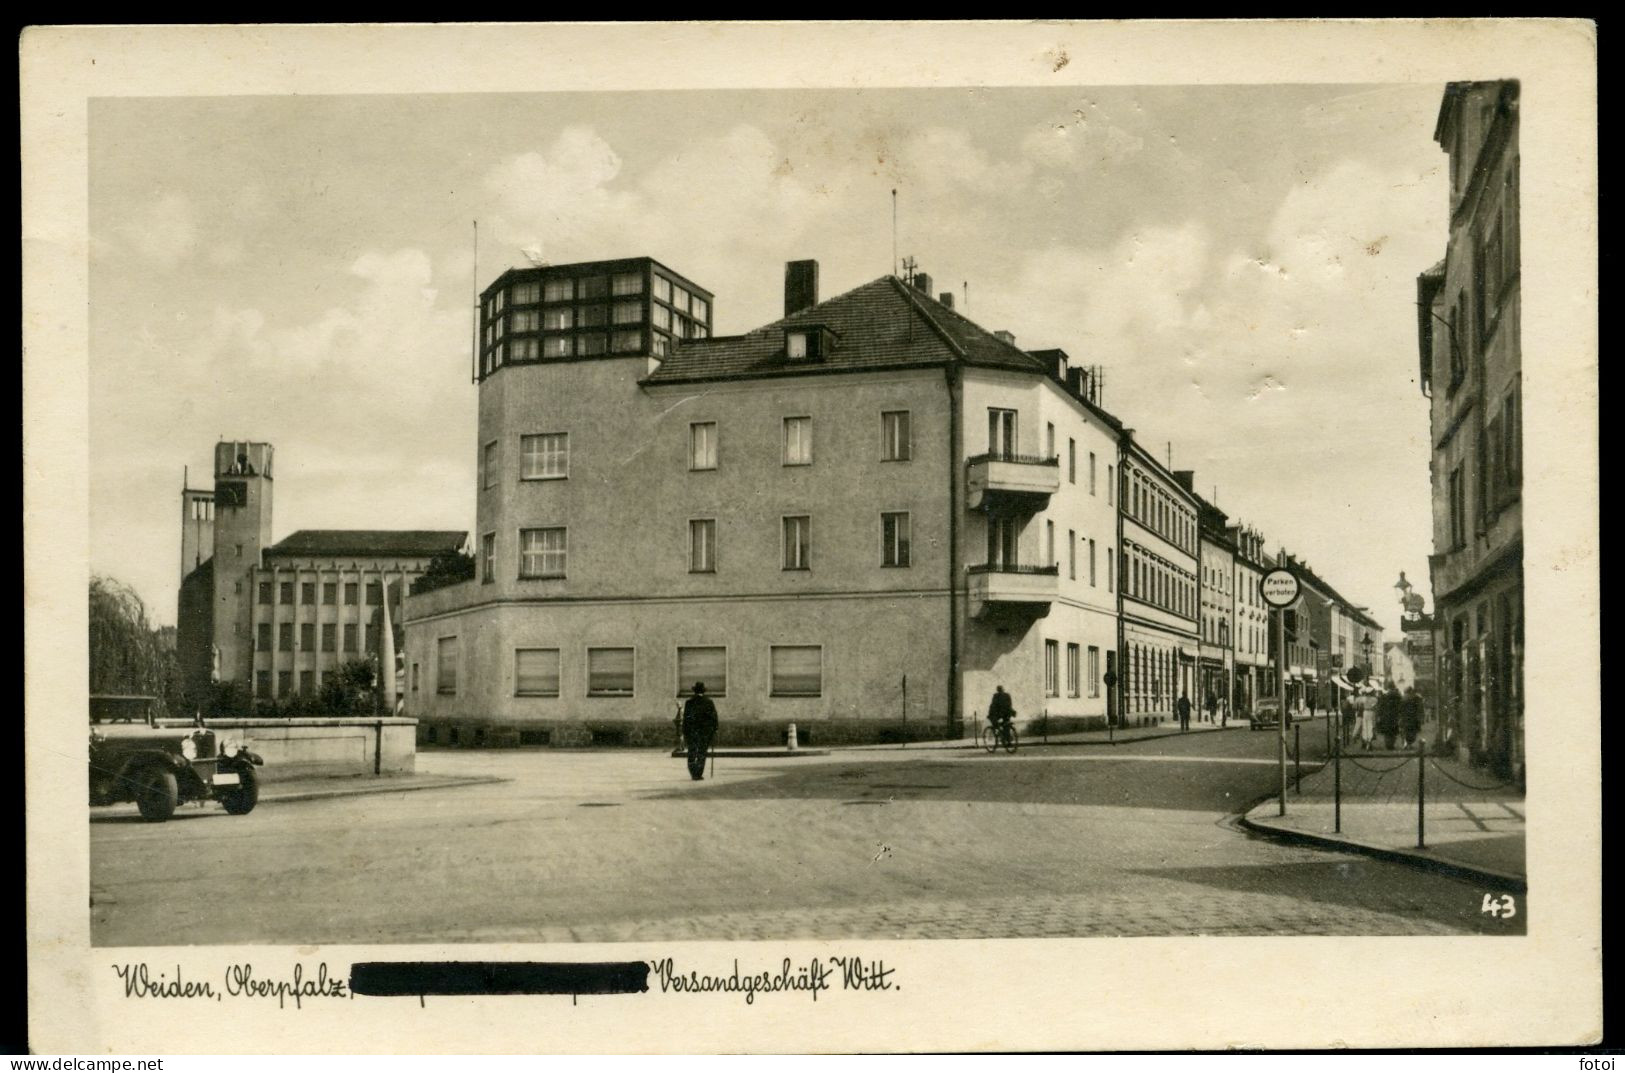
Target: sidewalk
1472, 823
319, 787
1031, 737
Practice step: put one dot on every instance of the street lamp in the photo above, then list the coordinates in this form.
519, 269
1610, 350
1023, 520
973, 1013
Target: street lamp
1365, 643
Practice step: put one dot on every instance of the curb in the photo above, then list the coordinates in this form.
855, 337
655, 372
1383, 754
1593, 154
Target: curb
448, 783
1490, 877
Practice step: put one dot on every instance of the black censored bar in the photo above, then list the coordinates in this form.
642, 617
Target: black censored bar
384, 978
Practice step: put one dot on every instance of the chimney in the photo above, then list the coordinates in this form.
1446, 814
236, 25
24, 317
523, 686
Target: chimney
946, 298
1005, 337
922, 283
800, 286
1075, 384
1186, 479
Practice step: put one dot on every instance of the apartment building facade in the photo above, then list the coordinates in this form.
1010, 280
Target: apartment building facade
1250, 632
1471, 364
859, 518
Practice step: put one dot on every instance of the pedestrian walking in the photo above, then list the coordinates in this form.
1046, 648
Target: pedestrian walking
1183, 707
1212, 705
1388, 715
1410, 716
1367, 705
1351, 717
699, 728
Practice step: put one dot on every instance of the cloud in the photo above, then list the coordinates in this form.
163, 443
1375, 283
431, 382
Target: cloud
163, 231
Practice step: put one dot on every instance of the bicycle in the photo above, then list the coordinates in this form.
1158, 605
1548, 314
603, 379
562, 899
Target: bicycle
997, 734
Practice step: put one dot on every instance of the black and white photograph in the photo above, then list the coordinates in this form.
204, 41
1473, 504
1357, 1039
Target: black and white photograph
802, 531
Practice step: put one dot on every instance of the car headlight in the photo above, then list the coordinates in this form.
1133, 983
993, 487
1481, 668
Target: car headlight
189, 748
228, 747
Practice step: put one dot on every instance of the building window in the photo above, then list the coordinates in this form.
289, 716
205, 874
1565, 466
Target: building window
798, 542
265, 592
1458, 510
352, 592
1001, 433
609, 672
624, 342
330, 592
307, 637
623, 283
1072, 554
445, 681
536, 672
307, 592
896, 437
262, 683
523, 320
662, 288
1094, 671
542, 552
284, 683
1049, 440
702, 445
594, 316
701, 309
558, 346
661, 317
1109, 486
627, 313
526, 294
1091, 560
488, 558
329, 637
559, 290
414, 677
702, 546
285, 592
284, 637
592, 344
239, 551
708, 665
1001, 542
1072, 670
1052, 668
1091, 473
488, 465
1049, 544
262, 640
349, 637
545, 456
796, 670
307, 682
375, 592
798, 441
1071, 461
559, 320
894, 538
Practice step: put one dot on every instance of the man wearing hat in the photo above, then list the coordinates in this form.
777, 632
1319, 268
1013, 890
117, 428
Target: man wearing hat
699, 727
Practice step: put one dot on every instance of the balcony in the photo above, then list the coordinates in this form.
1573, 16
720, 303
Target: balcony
1011, 591
1005, 483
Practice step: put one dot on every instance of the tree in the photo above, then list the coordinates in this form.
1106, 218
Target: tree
348, 690
446, 568
127, 655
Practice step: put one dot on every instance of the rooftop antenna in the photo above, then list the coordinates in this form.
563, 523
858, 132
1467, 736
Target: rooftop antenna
909, 265
894, 231
474, 306
967, 296
1170, 454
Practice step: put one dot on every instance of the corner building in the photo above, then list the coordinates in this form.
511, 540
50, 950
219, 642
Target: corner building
859, 518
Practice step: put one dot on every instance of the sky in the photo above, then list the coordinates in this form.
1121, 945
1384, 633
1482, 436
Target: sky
299, 269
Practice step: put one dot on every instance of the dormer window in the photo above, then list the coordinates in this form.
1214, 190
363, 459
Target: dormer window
811, 342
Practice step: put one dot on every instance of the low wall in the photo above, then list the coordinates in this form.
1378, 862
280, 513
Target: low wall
293, 748
662, 734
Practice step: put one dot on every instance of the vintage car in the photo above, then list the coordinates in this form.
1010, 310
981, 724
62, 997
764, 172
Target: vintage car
1266, 713
160, 767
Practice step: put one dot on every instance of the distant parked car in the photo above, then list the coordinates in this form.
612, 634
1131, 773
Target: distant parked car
161, 767
1266, 713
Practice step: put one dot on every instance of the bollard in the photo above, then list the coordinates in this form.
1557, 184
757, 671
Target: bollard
792, 742
1421, 788
1337, 784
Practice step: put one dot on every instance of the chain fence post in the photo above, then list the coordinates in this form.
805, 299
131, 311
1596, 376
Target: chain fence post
1421, 791
1297, 759
1337, 784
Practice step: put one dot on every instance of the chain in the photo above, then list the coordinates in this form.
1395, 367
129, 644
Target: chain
1378, 770
1468, 785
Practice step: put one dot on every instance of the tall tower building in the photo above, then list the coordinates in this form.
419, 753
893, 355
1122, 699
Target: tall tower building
242, 530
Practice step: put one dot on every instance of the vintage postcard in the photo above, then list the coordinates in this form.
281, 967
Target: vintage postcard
811, 538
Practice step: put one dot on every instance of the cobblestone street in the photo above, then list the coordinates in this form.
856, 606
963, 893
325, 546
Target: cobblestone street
907, 843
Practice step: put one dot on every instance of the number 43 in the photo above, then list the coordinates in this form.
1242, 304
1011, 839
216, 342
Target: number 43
1505, 906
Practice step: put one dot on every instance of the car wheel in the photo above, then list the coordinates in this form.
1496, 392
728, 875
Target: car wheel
157, 795
241, 801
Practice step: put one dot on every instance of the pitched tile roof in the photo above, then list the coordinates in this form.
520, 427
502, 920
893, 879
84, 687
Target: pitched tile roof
883, 324
397, 542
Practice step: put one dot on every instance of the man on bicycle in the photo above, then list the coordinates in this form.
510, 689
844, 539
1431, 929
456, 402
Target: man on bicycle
999, 710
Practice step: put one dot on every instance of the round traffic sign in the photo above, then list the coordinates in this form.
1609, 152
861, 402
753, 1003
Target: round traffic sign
1279, 587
